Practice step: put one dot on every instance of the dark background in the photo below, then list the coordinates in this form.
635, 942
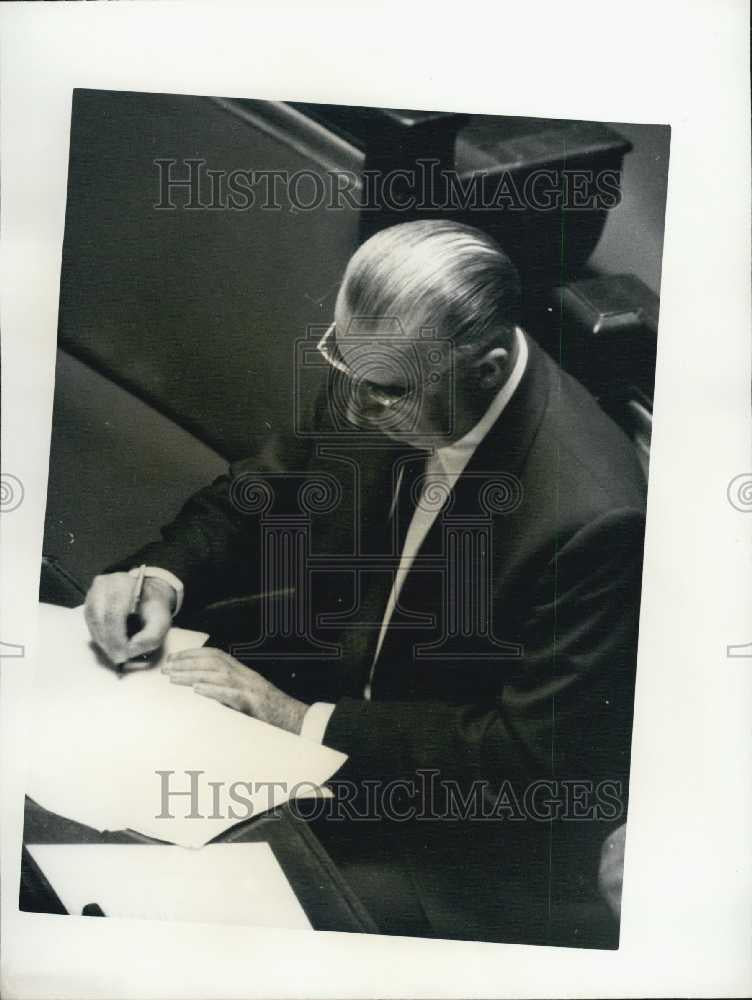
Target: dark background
178, 328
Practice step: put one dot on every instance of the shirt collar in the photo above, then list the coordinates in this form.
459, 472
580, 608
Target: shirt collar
455, 456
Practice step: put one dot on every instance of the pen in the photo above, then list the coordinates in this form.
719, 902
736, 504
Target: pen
135, 601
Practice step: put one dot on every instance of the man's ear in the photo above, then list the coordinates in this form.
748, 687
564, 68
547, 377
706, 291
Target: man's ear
492, 368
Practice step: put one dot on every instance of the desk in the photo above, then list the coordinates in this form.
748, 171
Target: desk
329, 902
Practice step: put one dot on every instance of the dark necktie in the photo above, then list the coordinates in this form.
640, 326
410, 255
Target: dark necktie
361, 642
407, 495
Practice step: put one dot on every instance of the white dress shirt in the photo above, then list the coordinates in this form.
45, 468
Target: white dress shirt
443, 468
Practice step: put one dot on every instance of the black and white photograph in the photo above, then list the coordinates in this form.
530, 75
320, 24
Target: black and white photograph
376, 449
345, 517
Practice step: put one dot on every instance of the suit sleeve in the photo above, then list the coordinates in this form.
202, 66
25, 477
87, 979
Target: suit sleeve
566, 713
212, 544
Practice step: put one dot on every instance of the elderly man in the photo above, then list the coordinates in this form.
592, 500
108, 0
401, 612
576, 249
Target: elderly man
475, 578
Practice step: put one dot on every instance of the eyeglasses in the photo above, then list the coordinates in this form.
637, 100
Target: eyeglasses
371, 393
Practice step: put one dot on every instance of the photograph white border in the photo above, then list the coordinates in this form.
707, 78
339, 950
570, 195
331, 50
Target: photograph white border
686, 903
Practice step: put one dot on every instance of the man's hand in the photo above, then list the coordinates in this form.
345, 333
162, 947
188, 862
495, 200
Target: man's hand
107, 605
218, 675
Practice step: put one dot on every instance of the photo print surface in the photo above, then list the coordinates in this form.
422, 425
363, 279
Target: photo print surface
345, 518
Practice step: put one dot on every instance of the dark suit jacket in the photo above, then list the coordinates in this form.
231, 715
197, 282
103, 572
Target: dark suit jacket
509, 661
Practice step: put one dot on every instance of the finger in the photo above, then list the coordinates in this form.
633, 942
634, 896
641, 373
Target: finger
92, 613
231, 697
190, 657
106, 601
93, 626
109, 611
194, 677
114, 635
211, 663
156, 619
192, 654
133, 666
188, 667
201, 658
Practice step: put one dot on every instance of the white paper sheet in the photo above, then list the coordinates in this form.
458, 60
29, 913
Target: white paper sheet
224, 883
101, 741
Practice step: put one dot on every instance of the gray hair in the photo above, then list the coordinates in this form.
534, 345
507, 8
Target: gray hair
437, 273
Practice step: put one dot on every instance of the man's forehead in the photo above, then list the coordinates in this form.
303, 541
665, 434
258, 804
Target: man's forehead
386, 327
384, 333
382, 354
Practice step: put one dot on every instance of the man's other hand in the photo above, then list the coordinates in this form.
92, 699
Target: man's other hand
106, 611
218, 675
